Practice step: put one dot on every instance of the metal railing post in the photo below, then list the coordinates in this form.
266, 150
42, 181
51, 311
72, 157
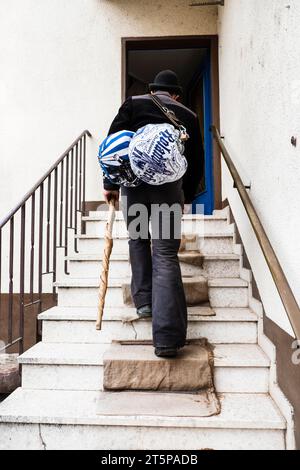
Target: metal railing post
56, 215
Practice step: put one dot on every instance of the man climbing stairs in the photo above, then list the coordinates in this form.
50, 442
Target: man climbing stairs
88, 389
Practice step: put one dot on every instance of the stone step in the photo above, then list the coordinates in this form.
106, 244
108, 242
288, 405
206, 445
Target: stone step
191, 263
239, 368
96, 228
135, 367
210, 243
217, 213
77, 325
84, 291
217, 216
95, 225
56, 419
222, 292
195, 289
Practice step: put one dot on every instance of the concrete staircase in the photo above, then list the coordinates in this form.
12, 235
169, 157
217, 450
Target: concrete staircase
57, 406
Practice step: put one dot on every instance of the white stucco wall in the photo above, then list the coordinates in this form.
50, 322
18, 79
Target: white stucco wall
260, 112
61, 73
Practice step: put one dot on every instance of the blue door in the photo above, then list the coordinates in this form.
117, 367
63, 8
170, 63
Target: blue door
204, 202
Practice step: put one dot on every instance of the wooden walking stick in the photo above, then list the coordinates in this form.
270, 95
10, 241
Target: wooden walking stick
108, 244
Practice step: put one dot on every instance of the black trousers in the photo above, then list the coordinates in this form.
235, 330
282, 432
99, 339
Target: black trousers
156, 275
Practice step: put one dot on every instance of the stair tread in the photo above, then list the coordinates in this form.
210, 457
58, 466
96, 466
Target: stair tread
119, 216
64, 354
118, 314
118, 282
239, 411
124, 257
224, 234
223, 212
226, 355
227, 282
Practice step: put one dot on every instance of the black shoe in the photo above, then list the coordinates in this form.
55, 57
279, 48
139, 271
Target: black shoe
166, 352
144, 312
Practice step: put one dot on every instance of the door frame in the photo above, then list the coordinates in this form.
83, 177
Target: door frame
206, 196
184, 42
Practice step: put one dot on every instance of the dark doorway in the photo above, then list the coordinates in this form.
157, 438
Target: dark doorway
195, 60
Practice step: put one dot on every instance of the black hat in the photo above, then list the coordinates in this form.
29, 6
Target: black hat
166, 80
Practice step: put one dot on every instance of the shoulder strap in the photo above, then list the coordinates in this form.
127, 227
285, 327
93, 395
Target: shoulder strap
170, 115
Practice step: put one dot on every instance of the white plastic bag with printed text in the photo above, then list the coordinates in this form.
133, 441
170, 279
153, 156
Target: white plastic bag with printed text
156, 154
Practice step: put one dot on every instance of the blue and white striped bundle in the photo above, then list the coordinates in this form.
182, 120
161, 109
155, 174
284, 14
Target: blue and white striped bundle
114, 159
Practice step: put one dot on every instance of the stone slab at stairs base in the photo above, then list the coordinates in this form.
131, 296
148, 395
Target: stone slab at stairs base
135, 367
51, 419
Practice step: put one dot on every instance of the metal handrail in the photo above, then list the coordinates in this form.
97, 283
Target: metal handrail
287, 297
42, 179
57, 198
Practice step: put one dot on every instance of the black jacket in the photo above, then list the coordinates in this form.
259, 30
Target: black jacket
137, 111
